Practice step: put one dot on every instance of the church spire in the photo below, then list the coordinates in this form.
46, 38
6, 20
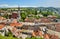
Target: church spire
19, 17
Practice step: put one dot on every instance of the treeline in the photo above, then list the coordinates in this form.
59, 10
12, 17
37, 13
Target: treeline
33, 12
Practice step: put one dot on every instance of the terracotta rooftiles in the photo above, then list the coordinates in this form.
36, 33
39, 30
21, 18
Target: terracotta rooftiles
15, 24
1, 26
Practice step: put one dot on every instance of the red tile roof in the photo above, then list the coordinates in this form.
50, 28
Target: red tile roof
46, 36
57, 27
1, 26
53, 36
45, 20
58, 24
28, 20
2, 18
15, 24
14, 21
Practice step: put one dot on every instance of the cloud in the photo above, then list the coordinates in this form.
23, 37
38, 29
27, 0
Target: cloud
3, 5
13, 6
46, 5
6, 5
28, 6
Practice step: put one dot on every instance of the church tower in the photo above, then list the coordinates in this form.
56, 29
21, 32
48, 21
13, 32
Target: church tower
19, 17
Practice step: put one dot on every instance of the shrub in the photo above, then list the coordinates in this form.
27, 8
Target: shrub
33, 38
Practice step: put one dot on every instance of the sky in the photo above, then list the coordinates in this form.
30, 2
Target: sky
30, 3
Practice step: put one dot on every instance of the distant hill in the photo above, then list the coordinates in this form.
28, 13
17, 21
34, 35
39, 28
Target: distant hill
52, 9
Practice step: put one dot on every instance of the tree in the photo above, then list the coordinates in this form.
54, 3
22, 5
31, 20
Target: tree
44, 14
58, 16
5, 9
23, 16
6, 16
35, 12
40, 11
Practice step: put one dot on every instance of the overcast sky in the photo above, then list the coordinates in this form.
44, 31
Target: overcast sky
30, 3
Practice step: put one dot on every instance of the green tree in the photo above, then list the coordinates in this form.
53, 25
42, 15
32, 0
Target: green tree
58, 16
6, 16
44, 14
37, 17
5, 9
35, 12
23, 16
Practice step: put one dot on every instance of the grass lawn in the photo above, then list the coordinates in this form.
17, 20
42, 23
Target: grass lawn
10, 36
34, 38
7, 37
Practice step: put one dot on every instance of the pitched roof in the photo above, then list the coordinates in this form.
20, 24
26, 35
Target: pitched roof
2, 18
52, 36
57, 27
14, 21
46, 36
58, 24
1, 26
16, 24
50, 16
45, 20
